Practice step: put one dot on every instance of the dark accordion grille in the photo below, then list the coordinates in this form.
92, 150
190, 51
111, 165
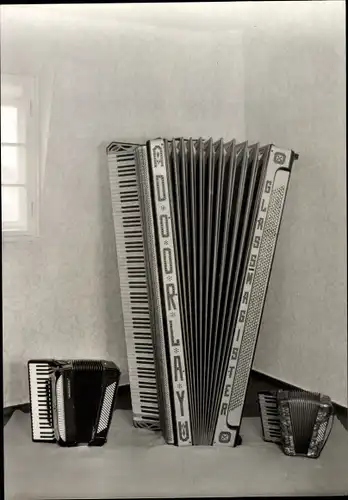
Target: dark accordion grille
87, 365
87, 385
303, 413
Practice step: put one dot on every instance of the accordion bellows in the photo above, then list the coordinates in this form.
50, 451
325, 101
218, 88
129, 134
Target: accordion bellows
298, 420
196, 224
72, 401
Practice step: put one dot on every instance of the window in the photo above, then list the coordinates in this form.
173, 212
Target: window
19, 157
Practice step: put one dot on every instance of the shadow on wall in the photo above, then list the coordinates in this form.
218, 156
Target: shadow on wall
295, 84
19, 375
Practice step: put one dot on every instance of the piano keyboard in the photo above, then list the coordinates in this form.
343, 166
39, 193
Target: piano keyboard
40, 408
270, 416
133, 283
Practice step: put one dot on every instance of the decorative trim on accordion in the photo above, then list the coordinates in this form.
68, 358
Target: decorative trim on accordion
60, 408
107, 407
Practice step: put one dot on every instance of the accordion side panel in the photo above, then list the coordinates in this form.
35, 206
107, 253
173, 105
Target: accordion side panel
60, 401
106, 408
287, 431
253, 295
132, 274
169, 286
322, 427
162, 384
108, 393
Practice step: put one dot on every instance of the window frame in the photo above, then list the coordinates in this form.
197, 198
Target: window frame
29, 111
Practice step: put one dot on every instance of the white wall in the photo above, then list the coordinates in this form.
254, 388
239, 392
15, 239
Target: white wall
61, 294
295, 97
101, 82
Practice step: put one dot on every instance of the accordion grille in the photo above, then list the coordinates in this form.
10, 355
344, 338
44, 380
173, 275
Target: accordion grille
89, 365
303, 415
303, 411
106, 407
322, 431
60, 408
258, 292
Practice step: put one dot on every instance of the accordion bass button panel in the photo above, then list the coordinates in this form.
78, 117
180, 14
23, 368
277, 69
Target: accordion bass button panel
133, 283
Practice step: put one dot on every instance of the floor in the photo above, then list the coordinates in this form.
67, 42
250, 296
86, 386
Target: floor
137, 463
134, 462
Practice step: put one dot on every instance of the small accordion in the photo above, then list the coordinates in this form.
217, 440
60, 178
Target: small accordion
299, 421
72, 401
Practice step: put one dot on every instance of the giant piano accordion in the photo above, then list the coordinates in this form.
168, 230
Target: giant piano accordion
196, 224
72, 401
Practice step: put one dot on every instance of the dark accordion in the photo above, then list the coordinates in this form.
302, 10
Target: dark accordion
72, 401
299, 421
196, 224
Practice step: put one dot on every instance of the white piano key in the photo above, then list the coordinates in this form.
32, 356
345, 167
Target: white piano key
270, 417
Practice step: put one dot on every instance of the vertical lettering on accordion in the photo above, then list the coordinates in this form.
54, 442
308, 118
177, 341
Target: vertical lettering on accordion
169, 284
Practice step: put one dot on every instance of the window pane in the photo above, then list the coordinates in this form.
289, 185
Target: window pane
14, 211
9, 124
13, 164
10, 90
